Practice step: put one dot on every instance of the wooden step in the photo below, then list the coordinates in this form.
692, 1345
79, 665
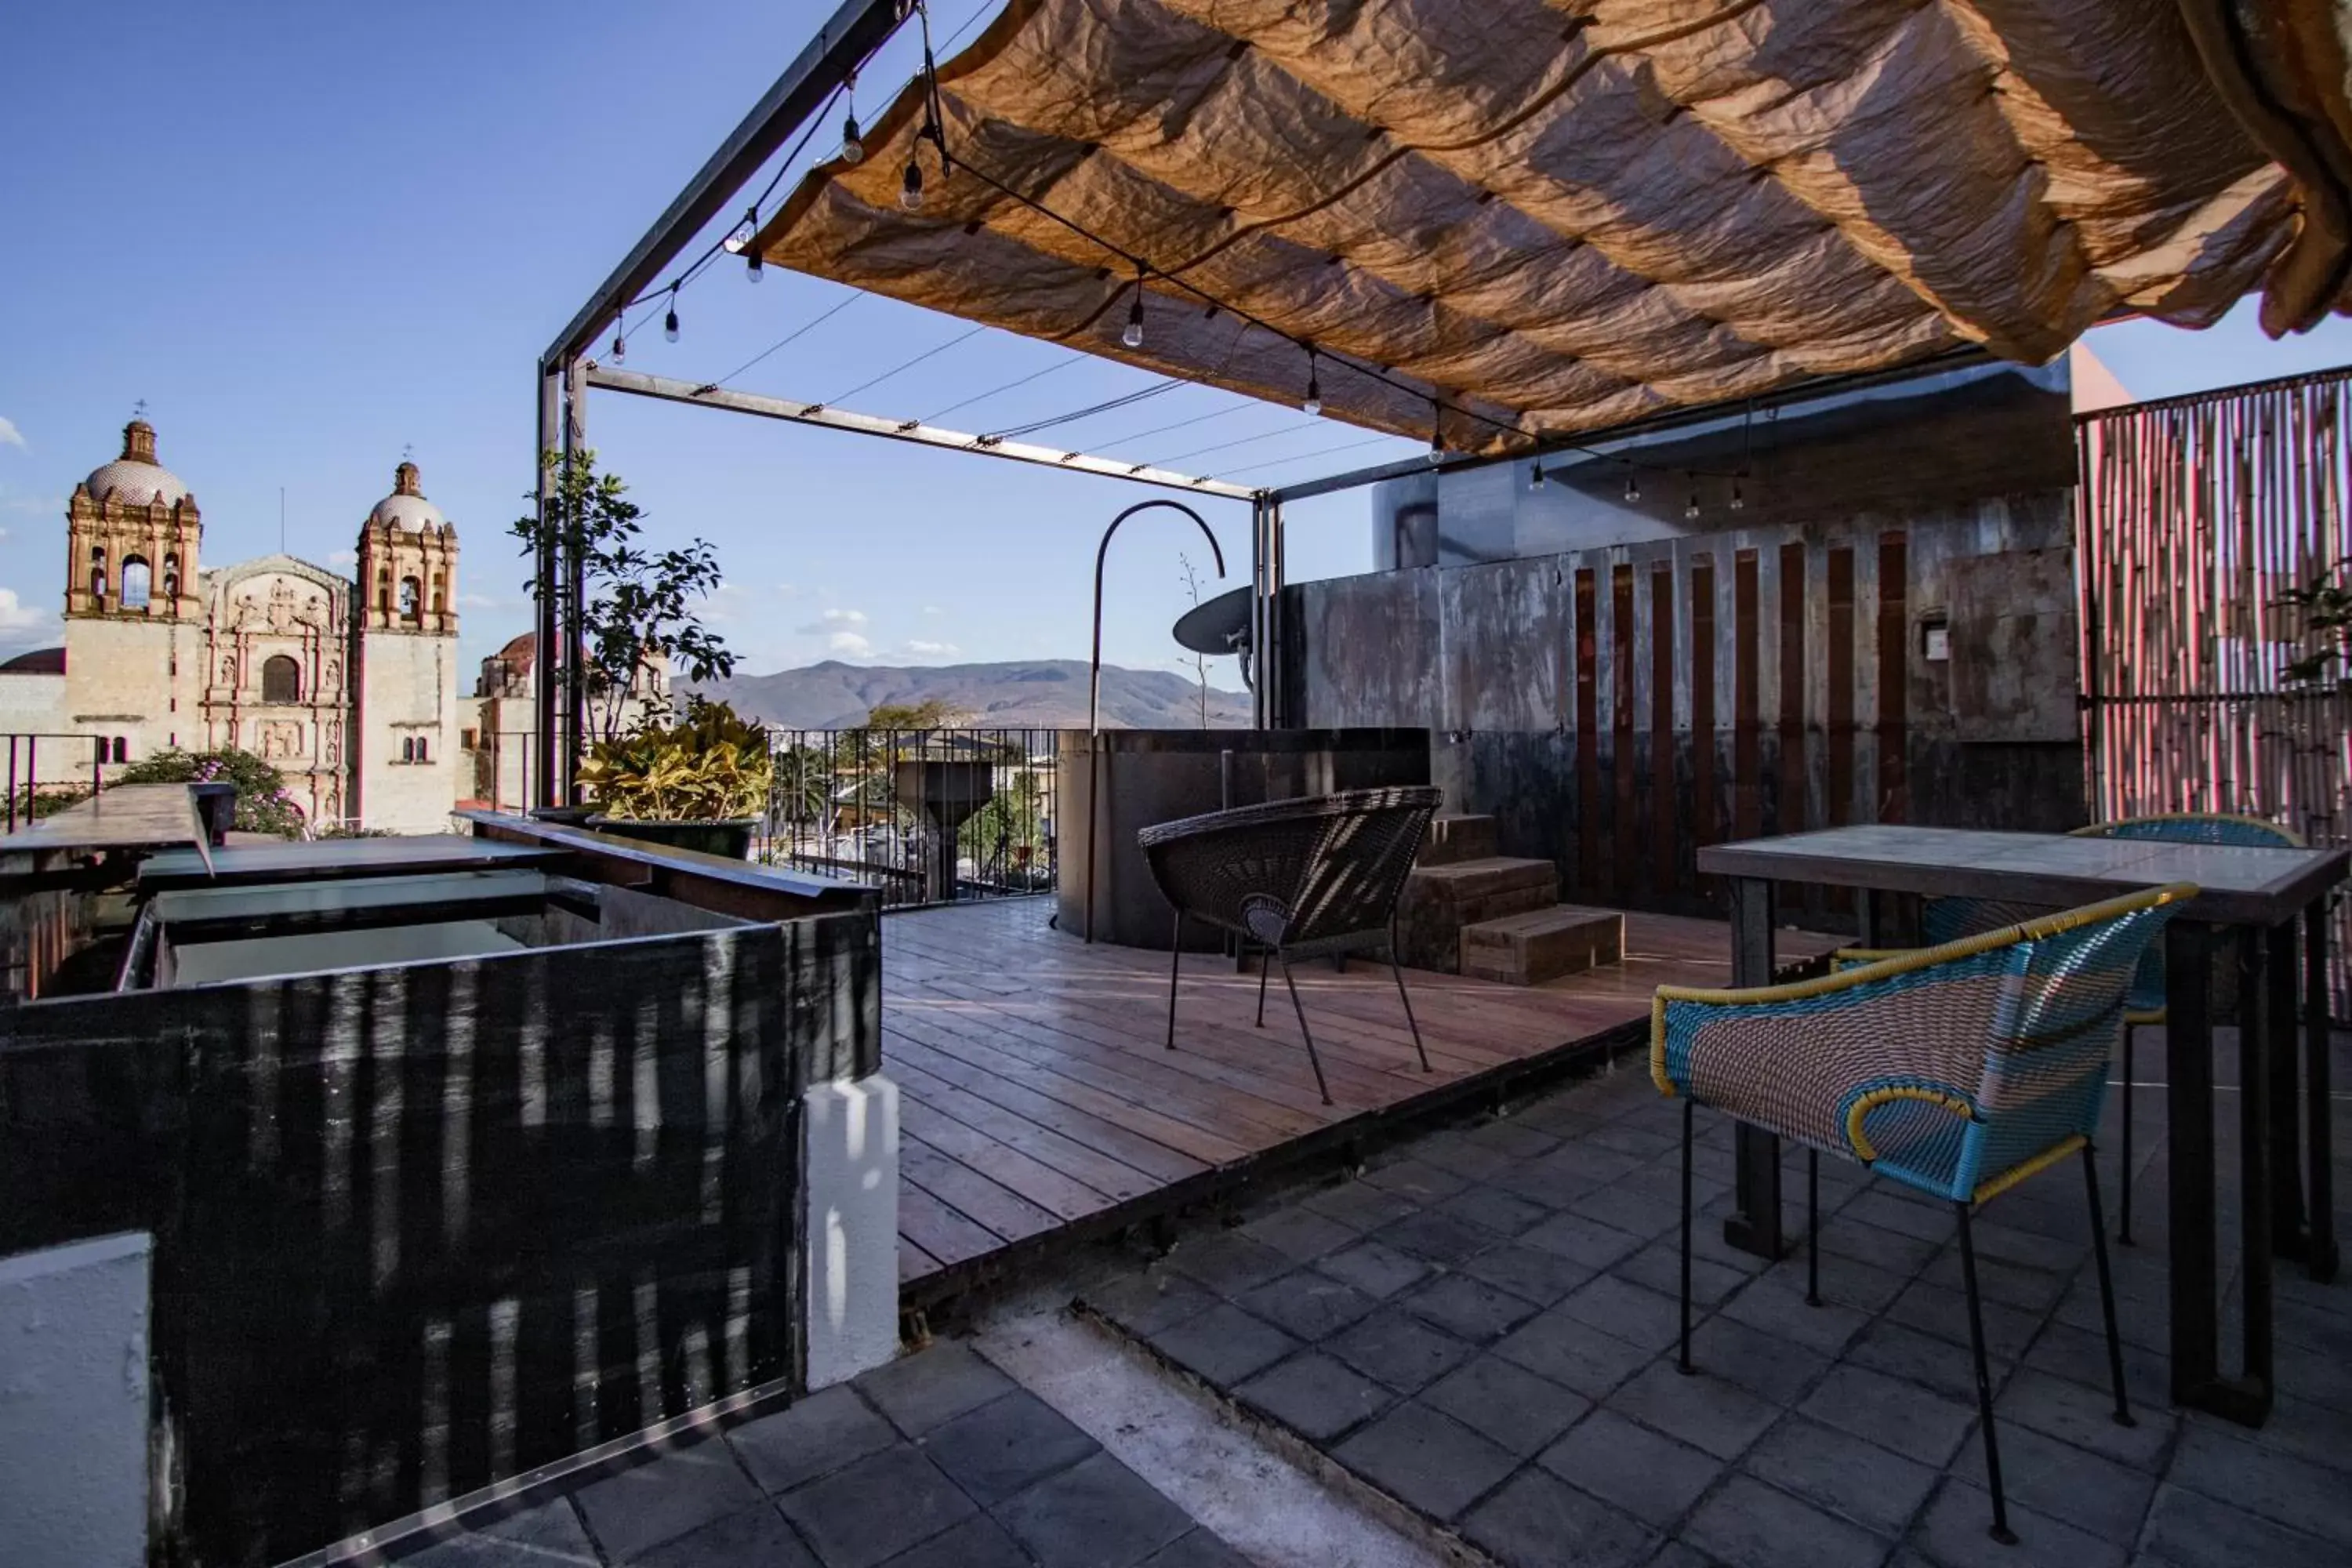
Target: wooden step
1456, 839
1439, 901
1542, 944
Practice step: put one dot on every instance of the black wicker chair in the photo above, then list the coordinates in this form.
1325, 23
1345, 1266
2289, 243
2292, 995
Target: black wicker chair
1301, 878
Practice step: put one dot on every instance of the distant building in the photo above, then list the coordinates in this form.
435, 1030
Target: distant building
349, 686
500, 732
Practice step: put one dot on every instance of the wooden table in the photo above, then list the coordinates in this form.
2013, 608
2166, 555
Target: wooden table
2252, 896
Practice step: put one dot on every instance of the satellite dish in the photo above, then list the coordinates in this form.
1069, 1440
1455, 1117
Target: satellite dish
1221, 626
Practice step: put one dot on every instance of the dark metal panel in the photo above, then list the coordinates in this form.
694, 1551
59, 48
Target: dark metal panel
1504, 646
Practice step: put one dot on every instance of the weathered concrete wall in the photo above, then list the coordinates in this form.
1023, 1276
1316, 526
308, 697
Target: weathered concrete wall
73, 1403
849, 1197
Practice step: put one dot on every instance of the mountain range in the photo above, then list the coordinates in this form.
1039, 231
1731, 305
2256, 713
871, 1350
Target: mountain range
1045, 694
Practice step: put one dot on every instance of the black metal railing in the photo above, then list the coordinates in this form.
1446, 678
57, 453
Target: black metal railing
927, 815
49, 771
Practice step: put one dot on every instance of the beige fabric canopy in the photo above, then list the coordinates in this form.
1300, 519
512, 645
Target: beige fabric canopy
1563, 214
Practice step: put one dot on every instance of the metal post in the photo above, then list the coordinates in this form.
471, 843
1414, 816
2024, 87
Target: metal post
543, 674
574, 638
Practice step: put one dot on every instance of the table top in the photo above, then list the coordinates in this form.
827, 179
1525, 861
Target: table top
128, 817
297, 860
2241, 886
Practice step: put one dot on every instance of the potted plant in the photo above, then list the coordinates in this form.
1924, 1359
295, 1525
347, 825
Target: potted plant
700, 784
637, 623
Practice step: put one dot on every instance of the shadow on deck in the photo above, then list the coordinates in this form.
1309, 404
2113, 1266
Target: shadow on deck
1042, 1110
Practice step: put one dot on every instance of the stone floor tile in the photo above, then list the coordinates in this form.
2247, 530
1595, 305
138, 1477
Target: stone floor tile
1955, 1533
1859, 1283
1315, 1396
1509, 1135
1747, 1524
1425, 1459
1701, 1409
756, 1538
1634, 1213
1641, 1142
1228, 1262
1586, 1163
978, 1542
1536, 1521
1435, 1236
1505, 1213
1506, 1404
1900, 1351
1765, 1364
1399, 1349
1893, 1413
1096, 1514
1933, 1223
2080, 1356
1360, 1206
1944, 1313
1778, 1306
1571, 1354
1675, 1554
1452, 1151
2084, 1417
874, 1509
1644, 1473
548, 1535
2072, 1485
2035, 1290
1375, 1269
2288, 1491
1150, 1300
1529, 1272
1309, 1304
1199, 1547
1858, 1481
1628, 1312
1580, 1240
1298, 1233
2000, 1243
1543, 1182
2190, 1529
636, 1509
919, 1391
1424, 1184
821, 1433
2144, 1323
1466, 1308
1849, 1236
1659, 1266
1004, 1446
2296, 1427
1223, 1344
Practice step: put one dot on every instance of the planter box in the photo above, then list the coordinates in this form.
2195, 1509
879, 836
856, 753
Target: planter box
729, 839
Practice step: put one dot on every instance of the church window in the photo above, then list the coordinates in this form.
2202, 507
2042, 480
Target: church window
281, 679
134, 582
171, 577
424, 753
122, 748
98, 573
409, 608
440, 592
383, 591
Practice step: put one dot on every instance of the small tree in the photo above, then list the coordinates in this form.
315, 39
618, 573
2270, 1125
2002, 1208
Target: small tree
636, 604
2326, 605
1199, 660
264, 803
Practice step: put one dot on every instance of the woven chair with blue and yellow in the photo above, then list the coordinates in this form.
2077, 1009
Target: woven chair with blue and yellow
1948, 920
1959, 1069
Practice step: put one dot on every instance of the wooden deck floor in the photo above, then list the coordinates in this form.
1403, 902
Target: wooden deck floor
1039, 1100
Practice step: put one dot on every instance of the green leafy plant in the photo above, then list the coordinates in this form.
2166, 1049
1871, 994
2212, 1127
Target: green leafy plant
264, 803
2326, 605
711, 767
637, 605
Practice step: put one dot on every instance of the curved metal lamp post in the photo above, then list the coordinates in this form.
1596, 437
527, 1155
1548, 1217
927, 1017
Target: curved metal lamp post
1095, 813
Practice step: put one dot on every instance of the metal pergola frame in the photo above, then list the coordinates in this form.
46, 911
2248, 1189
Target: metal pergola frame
565, 374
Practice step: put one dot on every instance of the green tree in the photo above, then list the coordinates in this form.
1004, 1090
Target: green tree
1007, 833
931, 714
264, 803
2326, 605
637, 605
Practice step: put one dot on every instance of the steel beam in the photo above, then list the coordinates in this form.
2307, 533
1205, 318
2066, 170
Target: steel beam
911, 430
543, 661
855, 31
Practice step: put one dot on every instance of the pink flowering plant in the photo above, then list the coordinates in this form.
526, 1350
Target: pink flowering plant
264, 803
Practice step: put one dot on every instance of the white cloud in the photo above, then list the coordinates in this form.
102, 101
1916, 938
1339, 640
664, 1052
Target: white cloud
343, 558
34, 506
931, 609
930, 649
834, 622
9, 434
22, 625
477, 602
851, 643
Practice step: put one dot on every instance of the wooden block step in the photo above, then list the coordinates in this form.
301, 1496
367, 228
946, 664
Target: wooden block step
1439, 901
1543, 944
1456, 839
1485, 874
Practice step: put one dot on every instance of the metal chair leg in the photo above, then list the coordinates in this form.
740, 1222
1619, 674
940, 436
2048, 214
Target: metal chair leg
1175, 963
2107, 1284
2123, 1221
2000, 1531
1813, 1228
1410, 1022
1264, 968
1300, 1008
1683, 1361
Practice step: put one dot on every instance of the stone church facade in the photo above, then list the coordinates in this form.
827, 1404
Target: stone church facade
349, 686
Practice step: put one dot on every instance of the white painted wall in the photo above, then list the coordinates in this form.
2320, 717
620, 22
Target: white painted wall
850, 1227
74, 1402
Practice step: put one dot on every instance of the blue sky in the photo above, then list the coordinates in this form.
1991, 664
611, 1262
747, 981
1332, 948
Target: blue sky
312, 236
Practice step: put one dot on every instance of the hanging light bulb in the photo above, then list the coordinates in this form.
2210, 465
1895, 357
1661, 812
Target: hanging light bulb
1314, 404
1633, 487
1436, 432
750, 243
1536, 476
911, 189
1690, 508
669, 321
853, 150
1739, 501
620, 345
1133, 336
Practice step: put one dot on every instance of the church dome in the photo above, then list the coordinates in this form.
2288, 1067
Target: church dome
136, 475
406, 506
